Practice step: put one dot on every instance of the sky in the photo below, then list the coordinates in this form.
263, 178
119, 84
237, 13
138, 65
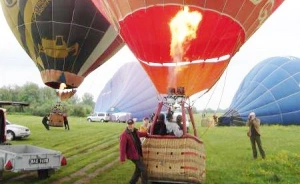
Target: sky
278, 36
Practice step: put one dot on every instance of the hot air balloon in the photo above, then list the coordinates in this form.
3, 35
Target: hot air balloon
261, 91
175, 56
66, 39
129, 90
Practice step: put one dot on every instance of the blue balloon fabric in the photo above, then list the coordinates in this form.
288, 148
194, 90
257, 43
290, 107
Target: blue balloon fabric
129, 90
271, 90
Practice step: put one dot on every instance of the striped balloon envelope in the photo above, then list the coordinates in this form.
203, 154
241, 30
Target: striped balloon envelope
66, 39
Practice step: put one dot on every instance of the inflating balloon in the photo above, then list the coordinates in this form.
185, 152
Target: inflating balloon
66, 39
261, 91
186, 43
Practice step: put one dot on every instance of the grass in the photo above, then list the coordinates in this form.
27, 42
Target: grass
92, 152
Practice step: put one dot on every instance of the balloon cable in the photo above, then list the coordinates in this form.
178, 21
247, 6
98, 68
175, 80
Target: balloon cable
226, 72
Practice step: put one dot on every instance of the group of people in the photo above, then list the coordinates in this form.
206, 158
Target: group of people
167, 126
164, 125
131, 146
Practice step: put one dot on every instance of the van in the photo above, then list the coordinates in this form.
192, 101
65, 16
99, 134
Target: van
99, 116
121, 117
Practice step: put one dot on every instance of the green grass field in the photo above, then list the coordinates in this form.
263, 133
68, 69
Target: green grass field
92, 152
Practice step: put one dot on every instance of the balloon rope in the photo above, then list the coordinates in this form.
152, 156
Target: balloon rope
222, 90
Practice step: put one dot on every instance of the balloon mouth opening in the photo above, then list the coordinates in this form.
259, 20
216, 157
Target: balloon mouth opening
56, 85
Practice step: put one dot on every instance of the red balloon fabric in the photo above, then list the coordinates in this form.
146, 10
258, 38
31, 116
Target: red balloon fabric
224, 27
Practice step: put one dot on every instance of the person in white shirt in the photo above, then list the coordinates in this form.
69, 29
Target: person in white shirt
172, 127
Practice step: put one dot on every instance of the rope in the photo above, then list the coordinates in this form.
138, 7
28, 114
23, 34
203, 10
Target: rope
226, 72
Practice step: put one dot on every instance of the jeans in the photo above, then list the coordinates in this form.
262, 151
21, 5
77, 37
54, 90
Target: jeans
256, 140
140, 171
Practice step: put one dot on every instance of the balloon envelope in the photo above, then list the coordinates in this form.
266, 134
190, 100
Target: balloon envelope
66, 39
271, 90
223, 29
129, 90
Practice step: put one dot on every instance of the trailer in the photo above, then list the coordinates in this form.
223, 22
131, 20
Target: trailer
18, 158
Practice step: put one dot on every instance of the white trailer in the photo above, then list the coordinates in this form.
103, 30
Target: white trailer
18, 158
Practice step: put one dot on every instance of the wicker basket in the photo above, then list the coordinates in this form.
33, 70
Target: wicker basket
56, 120
173, 159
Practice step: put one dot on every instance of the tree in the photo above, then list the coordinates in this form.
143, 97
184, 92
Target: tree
88, 99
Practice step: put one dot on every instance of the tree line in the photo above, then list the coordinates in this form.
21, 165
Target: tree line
42, 99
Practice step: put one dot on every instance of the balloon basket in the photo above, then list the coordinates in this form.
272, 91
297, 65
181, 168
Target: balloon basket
56, 120
173, 159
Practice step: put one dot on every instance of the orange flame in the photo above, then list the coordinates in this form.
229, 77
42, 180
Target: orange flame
183, 29
62, 86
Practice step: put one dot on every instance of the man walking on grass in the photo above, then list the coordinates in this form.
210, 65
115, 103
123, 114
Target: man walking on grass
131, 147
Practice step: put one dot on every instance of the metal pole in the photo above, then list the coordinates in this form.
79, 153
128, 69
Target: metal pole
192, 120
160, 104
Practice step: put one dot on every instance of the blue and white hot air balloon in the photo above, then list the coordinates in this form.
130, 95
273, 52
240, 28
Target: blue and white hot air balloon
271, 90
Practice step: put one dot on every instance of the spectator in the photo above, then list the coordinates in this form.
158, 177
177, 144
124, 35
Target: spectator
145, 126
254, 134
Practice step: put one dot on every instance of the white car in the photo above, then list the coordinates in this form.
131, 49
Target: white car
99, 116
14, 131
121, 117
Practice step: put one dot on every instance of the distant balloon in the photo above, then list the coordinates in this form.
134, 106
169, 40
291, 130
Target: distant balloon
186, 43
129, 90
66, 39
271, 90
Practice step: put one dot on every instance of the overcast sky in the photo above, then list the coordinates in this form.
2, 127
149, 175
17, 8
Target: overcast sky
279, 36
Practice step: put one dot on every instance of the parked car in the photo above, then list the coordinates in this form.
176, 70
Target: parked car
14, 131
99, 116
121, 117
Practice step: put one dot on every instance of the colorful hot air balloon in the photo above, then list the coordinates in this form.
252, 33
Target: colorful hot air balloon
186, 43
66, 39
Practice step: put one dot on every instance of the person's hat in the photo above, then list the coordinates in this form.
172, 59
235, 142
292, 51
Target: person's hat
130, 121
252, 114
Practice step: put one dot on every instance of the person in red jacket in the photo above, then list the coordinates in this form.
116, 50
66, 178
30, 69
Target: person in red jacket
131, 148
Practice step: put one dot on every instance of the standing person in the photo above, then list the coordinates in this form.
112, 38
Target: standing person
131, 147
45, 121
145, 126
66, 122
254, 134
215, 119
